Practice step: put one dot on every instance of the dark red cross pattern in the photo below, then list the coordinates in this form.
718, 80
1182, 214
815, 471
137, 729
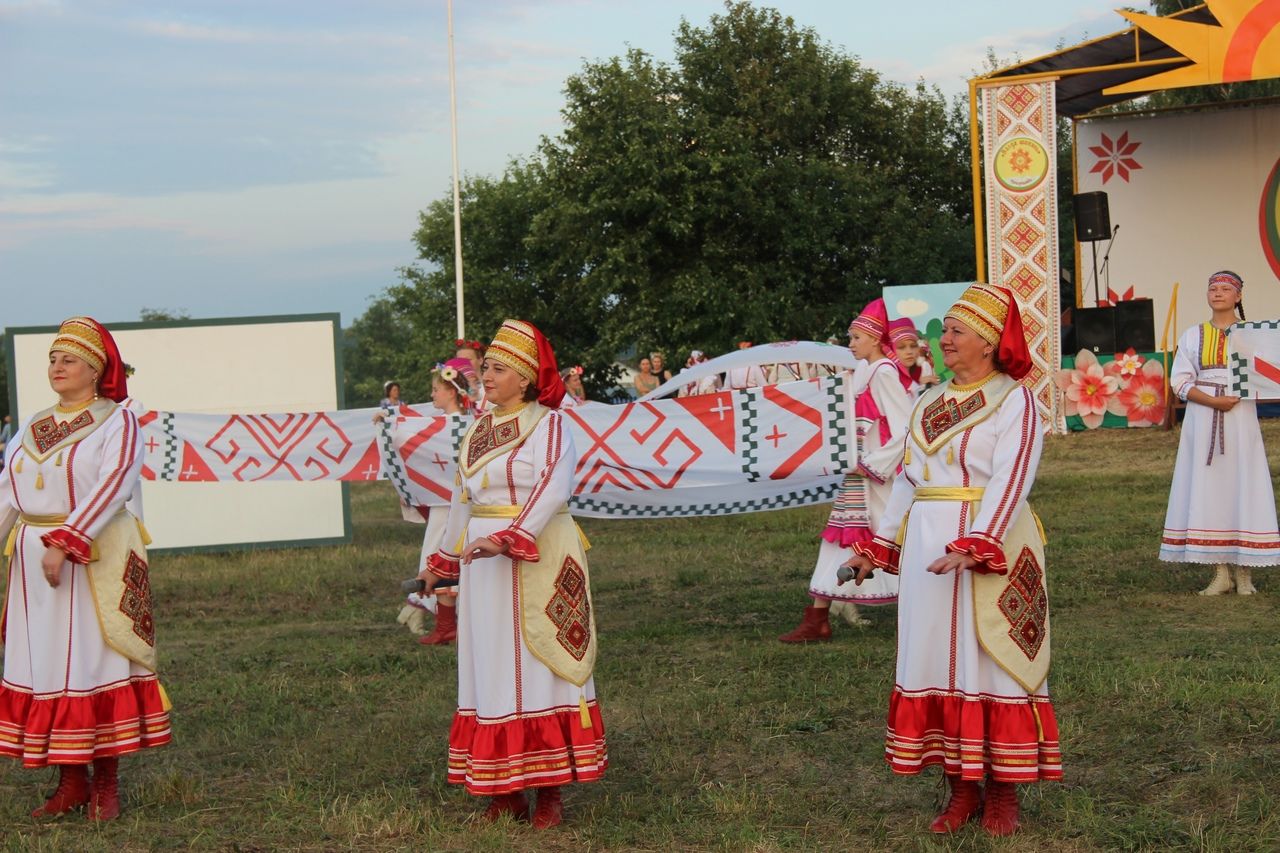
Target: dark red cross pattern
640, 432
422, 452
305, 445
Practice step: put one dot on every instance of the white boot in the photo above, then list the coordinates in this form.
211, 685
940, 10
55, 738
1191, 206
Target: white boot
1244, 581
1221, 581
849, 611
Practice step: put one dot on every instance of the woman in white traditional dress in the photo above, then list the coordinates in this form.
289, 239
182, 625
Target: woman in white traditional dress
970, 691
451, 384
527, 712
79, 684
881, 405
1222, 510
574, 392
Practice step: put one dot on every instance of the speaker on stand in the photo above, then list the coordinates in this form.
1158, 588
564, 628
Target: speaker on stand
1093, 223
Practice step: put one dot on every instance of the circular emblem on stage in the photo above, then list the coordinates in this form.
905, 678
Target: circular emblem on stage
1021, 164
1269, 219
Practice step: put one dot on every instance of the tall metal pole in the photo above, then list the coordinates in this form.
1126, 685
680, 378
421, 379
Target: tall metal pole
457, 201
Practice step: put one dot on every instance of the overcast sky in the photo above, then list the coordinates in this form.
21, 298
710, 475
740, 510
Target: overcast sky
246, 157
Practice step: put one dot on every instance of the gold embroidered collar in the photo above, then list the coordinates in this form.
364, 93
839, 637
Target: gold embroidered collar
947, 409
53, 429
495, 434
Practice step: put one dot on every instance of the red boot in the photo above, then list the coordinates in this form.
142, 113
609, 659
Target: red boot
964, 803
1000, 813
104, 796
446, 629
71, 794
516, 805
814, 627
550, 810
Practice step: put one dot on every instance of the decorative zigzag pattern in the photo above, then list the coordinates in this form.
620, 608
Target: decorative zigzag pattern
747, 400
802, 497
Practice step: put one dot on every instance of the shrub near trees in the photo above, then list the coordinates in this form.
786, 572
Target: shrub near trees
762, 186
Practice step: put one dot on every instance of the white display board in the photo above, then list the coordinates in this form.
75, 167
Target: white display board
242, 365
1189, 191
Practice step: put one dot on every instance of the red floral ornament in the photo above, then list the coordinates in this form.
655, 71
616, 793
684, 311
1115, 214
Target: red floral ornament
1115, 158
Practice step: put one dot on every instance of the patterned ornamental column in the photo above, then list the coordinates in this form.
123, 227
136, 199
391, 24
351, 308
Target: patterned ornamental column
1020, 182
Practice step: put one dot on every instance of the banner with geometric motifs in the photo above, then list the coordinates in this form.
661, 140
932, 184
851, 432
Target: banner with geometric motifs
764, 448
1021, 191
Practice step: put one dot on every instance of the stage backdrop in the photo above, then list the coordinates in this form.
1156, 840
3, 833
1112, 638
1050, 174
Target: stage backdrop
235, 365
925, 305
1192, 192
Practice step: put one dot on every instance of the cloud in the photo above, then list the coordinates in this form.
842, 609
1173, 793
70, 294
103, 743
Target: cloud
912, 307
246, 36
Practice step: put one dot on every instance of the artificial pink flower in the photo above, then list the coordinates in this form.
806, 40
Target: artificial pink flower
1143, 397
1090, 392
1127, 363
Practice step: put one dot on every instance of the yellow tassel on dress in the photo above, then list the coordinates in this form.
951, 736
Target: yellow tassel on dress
58, 461
926, 470
39, 479
484, 481
583, 712
906, 454
164, 698
17, 466
951, 457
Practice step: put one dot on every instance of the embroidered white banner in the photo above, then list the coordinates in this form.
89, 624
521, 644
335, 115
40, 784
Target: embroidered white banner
716, 454
1255, 360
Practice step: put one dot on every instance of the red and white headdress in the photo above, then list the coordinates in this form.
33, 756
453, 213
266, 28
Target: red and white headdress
89, 340
1227, 277
992, 312
520, 346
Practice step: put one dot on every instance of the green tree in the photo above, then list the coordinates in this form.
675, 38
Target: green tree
162, 315
762, 186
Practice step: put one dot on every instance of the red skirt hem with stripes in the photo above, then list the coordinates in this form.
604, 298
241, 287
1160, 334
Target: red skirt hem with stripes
538, 750
1010, 739
76, 728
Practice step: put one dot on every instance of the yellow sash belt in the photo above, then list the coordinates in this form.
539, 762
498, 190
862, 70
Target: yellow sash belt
42, 520
949, 493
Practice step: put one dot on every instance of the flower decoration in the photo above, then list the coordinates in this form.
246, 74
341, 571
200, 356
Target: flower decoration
1143, 397
1089, 390
1127, 363
576, 370
462, 343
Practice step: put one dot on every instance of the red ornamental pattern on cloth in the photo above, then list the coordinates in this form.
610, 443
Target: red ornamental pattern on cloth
1025, 604
1021, 222
1115, 159
570, 609
716, 454
135, 601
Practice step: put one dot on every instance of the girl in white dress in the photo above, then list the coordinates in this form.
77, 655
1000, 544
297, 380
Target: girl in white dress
527, 712
80, 682
1222, 510
881, 405
970, 691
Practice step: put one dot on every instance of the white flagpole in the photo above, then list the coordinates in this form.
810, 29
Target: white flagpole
457, 203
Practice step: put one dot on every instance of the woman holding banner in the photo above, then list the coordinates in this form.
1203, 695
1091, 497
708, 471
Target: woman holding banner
1222, 510
80, 682
970, 693
527, 712
881, 406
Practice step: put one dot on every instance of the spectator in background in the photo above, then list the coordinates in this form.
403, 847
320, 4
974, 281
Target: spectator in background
472, 351
928, 376
740, 378
645, 381
575, 394
390, 395
659, 362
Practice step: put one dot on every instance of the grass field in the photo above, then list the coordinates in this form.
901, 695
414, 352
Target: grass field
306, 718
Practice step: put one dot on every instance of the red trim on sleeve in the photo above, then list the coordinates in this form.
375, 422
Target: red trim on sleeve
445, 567
989, 555
882, 552
78, 548
520, 545
864, 471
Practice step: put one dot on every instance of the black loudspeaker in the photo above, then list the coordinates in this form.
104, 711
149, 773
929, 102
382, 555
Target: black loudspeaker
1135, 326
1093, 217
1096, 330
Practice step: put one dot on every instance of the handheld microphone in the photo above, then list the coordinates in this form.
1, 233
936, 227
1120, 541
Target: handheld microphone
419, 586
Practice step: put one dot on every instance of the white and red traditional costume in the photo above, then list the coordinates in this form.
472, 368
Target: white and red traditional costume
881, 407
527, 712
79, 680
970, 692
1222, 509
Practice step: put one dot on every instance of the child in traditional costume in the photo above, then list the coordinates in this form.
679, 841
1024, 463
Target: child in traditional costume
1222, 510
527, 712
79, 684
881, 405
970, 692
